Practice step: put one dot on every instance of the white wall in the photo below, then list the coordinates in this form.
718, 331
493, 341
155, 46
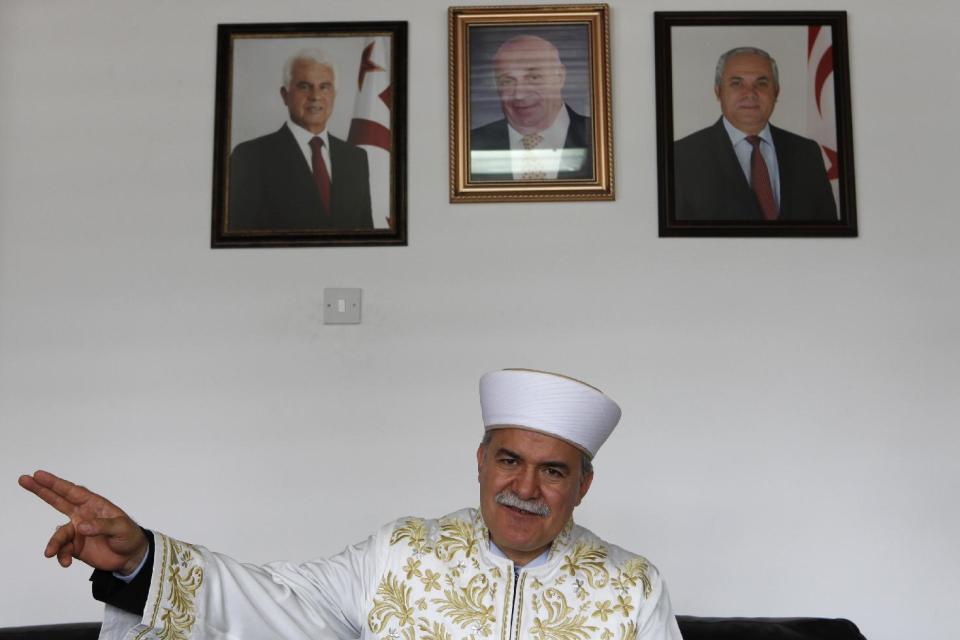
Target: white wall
789, 444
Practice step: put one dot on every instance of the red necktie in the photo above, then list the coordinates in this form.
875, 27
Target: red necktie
760, 181
320, 175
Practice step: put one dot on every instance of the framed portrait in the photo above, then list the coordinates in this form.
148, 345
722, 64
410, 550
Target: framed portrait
754, 132
530, 115
310, 135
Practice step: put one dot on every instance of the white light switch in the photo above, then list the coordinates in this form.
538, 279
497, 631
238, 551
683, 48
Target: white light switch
341, 306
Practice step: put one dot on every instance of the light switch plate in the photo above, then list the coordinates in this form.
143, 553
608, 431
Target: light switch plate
341, 306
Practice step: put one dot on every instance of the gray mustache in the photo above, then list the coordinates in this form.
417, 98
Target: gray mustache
509, 499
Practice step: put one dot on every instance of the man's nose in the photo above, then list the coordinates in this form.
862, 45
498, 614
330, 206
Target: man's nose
523, 88
525, 484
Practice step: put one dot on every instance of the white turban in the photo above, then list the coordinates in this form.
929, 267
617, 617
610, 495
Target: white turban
549, 403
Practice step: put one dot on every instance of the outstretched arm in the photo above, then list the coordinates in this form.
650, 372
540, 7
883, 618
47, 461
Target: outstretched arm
98, 532
189, 592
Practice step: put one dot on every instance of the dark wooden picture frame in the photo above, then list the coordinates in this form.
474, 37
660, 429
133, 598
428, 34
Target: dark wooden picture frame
274, 185
702, 190
537, 73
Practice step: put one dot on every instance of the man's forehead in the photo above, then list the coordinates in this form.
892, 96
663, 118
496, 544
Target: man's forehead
526, 63
532, 439
527, 50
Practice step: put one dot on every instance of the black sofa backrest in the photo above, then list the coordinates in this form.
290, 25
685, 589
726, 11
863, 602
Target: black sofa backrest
696, 628
74, 631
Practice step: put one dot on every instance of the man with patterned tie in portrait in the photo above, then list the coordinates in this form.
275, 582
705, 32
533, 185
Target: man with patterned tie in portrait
540, 136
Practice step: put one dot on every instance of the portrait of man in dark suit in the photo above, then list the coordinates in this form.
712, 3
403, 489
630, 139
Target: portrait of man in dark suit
743, 168
539, 136
301, 177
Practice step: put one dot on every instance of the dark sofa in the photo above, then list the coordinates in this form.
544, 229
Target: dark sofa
692, 627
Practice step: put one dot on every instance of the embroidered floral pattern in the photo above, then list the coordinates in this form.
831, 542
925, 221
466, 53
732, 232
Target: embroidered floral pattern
589, 560
628, 631
414, 533
412, 568
624, 606
466, 606
433, 631
632, 573
454, 592
456, 535
560, 622
603, 610
181, 576
393, 603
430, 580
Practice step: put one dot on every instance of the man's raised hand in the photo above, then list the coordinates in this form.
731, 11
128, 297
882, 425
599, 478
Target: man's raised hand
99, 533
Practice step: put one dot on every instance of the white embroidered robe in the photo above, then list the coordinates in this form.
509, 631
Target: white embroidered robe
414, 579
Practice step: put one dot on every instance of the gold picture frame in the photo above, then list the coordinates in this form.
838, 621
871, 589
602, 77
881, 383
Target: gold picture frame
530, 103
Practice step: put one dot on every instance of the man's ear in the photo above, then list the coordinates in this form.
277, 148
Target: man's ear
481, 453
585, 483
716, 91
283, 94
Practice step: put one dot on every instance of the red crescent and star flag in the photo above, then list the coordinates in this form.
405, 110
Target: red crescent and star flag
370, 126
821, 106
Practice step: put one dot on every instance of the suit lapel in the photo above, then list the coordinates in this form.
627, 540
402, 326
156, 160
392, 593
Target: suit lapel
787, 170
337, 181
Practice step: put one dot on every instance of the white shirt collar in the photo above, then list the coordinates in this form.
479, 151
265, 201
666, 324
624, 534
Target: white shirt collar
303, 138
736, 136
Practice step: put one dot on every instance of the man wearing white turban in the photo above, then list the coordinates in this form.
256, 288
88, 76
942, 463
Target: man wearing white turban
516, 568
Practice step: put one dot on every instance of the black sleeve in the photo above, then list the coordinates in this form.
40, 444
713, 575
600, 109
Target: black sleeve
129, 596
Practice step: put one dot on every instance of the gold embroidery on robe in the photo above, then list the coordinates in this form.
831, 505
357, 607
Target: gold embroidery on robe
181, 577
393, 603
582, 593
561, 621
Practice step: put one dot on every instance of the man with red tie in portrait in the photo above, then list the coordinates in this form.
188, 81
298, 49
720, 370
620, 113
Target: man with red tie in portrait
301, 177
742, 167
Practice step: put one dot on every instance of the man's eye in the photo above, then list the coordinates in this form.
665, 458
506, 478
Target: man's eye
508, 461
554, 473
